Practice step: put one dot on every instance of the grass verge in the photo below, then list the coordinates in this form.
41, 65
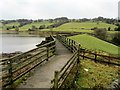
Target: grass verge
95, 75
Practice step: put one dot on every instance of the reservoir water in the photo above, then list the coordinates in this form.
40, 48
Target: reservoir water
18, 42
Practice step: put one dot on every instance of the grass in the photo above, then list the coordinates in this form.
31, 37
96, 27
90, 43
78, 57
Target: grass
8, 25
85, 26
26, 27
91, 42
72, 30
97, 76
36, 24
74, 26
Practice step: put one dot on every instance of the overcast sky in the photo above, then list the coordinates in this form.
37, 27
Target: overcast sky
45, 9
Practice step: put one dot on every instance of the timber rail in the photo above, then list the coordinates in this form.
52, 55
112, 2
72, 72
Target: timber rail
74, 47
16, 67
61, 76
84, 53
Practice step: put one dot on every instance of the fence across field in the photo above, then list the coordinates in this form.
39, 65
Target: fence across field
110, 60
16, 67
72, 46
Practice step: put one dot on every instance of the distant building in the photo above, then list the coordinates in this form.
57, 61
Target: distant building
119, 10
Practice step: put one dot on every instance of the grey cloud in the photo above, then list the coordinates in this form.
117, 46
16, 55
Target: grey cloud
53, 8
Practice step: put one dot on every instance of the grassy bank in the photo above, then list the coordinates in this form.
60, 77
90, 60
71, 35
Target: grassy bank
91, 42
85, 26
95, 75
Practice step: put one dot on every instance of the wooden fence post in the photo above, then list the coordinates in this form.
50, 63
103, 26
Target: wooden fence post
10, 73
47, 52
56, 80
109, 61
72, 46
55, 48
78, 63
78, 59
78, 53
67, 42
95, 57
83, 54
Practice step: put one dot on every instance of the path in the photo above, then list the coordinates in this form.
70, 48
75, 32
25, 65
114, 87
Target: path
43, 74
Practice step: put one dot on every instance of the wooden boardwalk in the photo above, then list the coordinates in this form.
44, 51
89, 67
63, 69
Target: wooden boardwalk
43, 74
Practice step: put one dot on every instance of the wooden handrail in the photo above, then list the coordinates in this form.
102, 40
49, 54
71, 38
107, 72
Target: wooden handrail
27, 64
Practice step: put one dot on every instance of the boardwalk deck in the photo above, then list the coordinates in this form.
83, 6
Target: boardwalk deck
43, 75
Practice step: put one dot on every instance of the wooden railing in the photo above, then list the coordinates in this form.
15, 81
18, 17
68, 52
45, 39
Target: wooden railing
110, 60
73, 46
60, 76
68, 43
16, 67
85, 53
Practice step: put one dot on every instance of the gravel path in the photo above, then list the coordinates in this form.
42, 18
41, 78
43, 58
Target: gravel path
43, 74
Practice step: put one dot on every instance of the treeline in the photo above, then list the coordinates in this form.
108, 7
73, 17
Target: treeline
62, 19
106, 20
56, 22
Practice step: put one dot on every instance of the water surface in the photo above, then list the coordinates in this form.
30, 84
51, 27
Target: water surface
18, 42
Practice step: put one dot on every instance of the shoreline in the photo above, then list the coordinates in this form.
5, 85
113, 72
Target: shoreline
40, 32
8, 55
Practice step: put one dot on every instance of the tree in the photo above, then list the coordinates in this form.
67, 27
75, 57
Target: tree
116, 38
109, 28
16, 29
34, 28
42, 27
50, 20
117, 29
101, 33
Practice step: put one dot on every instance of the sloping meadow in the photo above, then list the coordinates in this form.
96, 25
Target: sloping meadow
94, 43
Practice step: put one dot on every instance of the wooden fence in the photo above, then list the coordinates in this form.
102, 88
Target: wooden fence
85, 53
73, 46
60, 76
16, 67
110, 60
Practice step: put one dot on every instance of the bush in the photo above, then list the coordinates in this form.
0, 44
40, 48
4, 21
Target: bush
42, 27
117, 29
116, 38
94, 28
101, 33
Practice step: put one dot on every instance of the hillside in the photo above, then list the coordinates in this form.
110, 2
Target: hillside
9, 25
36, 24
91, 42
84, 26
28, 26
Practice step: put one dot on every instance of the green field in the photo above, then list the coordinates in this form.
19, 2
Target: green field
12, 24
74, 26
84, 26
91, 42
8, 25
36, 24
26, 27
